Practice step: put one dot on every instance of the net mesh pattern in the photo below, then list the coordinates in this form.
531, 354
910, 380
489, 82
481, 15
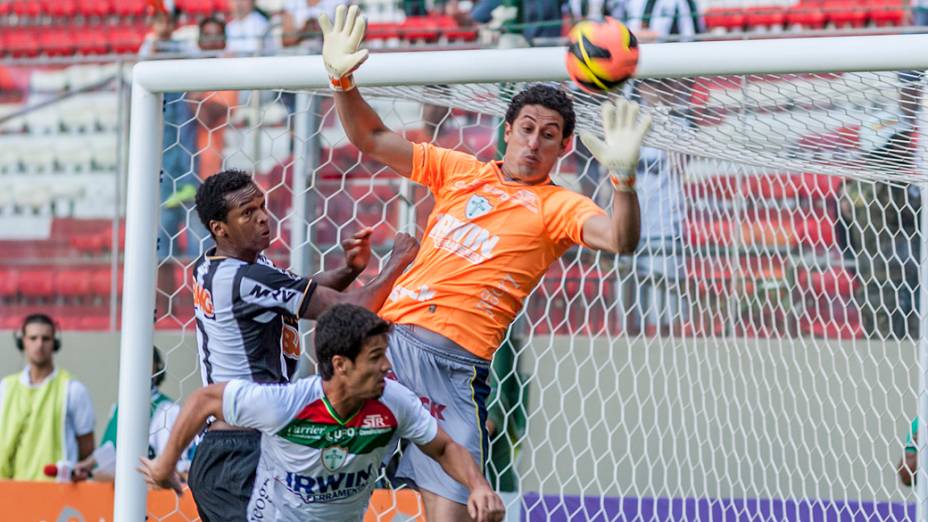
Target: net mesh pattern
759, 345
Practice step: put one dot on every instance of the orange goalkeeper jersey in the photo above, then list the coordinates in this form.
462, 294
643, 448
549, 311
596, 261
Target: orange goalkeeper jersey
487, 243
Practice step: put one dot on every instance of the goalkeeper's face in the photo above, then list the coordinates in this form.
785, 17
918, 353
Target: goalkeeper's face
534, 142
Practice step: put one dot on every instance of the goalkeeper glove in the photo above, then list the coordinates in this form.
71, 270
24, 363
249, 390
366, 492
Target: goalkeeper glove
340, 46
618, 153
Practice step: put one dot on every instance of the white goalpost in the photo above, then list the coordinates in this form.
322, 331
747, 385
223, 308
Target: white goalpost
767, 140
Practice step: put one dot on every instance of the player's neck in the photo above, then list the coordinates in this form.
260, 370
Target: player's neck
249, 256
344, 404
507, 176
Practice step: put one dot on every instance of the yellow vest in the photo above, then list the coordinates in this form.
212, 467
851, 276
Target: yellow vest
33, 421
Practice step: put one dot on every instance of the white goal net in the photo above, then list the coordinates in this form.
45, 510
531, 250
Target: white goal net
755, 359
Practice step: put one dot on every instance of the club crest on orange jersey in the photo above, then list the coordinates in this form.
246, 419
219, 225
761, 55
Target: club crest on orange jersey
477, 206
203, 301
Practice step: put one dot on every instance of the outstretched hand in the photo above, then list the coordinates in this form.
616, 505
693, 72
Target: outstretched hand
623, 134
341, 41
158, 475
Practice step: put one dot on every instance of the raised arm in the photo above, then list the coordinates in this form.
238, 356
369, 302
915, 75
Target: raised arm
201, 404
483, 504
618, 153
373, 294
342, 55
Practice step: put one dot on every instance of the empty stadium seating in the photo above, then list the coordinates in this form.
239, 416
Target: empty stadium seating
807, 15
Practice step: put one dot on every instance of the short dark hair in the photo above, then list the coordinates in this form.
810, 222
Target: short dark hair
212, 20
343, 330
39, 318
211, 195
548, 97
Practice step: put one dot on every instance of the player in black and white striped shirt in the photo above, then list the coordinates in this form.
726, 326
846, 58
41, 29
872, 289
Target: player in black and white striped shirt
650, 20
247, 311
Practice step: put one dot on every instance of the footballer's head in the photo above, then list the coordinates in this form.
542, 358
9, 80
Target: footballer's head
234, 210
351, 346
539, 125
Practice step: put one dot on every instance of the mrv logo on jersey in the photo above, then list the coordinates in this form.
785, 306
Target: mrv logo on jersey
330, 487
254, 292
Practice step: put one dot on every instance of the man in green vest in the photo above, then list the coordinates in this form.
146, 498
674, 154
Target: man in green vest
45, 415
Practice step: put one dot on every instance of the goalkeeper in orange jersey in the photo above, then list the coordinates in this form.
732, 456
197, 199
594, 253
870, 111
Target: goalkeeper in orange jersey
495, 229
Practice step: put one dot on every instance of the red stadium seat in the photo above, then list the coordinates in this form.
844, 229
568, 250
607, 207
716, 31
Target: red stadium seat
126, 40
94, 7
765, 17
27, 8
806, 16
21, 43
73, 283
816, 232
842, 13
129, 8
835, 281
420, 28
91, 41
9, 284
197, 8
56, 42
725, 19
101, 283
384, 32
60, 8
38, 284
887, 12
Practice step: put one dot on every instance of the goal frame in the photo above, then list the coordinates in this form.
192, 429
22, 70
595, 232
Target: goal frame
669, 60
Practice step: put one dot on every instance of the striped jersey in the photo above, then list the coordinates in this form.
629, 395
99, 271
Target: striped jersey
247, 318
315, 465
665, 17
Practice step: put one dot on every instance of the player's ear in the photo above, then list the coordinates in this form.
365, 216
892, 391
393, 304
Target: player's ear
339, 365
507, 130
566, 144
217, 228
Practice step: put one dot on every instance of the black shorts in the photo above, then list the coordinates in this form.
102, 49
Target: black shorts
222, 474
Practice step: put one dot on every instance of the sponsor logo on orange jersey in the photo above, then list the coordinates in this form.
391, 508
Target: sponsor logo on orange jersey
464, 239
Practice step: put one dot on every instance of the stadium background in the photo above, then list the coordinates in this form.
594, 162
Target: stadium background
63, 125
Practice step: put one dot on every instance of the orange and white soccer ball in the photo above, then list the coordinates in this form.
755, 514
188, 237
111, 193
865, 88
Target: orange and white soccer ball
601, 55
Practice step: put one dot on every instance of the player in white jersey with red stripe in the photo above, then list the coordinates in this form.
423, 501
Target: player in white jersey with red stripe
323, 438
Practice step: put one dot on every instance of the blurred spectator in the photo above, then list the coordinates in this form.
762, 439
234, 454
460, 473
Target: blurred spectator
911, 92
658, 261
881, 221
536, 19
163, 415
300, 18
161, 38
179, 166
909, 462
248, 31
650, 20
213, 113
46, 417
211, 35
